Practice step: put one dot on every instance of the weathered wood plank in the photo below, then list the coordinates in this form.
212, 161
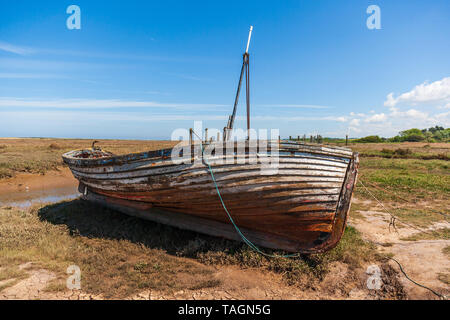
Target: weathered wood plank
205, 226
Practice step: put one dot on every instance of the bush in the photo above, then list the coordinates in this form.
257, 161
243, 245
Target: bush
414, 138
430, 135
370, 139
402, 152
54, 146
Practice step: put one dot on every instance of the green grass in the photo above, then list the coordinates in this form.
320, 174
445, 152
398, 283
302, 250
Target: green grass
440, 234
421, 218
408, 178
413, 190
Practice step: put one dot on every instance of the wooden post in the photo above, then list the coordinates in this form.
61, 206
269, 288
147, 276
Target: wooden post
206, 134
190, 136
311, 139
346, 139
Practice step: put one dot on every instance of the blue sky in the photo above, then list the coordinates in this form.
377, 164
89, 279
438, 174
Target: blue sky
141, 69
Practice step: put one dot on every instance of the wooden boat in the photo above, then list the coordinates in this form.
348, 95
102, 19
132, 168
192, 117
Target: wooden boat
300, 207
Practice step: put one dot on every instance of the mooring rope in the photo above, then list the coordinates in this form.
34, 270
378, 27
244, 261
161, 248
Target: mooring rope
393, 218
243, 237
418, 284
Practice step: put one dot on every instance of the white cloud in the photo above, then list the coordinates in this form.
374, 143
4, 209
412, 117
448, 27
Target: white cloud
301, 106
376, 118
14, 49
293, 118
435, 92
396, 120
411, 113
5, 75
98, 103
447, 106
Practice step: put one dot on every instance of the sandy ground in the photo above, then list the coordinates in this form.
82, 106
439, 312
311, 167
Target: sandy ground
423, 260
237, 284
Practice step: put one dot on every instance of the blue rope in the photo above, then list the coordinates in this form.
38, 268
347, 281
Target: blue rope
248, 242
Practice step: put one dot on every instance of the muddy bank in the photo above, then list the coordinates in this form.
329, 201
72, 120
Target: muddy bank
27, 188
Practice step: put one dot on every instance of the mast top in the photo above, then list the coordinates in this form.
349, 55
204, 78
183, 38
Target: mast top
249, 36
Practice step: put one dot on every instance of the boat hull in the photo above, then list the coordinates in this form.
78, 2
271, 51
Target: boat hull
302, 207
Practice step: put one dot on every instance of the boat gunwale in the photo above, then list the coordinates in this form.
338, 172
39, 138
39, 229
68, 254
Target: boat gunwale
164, 154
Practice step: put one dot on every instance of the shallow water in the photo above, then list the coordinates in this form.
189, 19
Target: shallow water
25, 198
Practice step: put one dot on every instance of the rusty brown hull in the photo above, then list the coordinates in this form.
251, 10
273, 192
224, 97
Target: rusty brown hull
301, 208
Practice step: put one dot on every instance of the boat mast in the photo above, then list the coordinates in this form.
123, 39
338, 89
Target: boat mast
244, 68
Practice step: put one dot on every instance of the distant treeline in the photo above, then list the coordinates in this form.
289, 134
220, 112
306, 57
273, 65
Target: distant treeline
434, 134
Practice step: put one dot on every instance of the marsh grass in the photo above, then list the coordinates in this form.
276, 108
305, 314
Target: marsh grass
415, 191
39, 155
121, 255
439, 234
356, 208
445, 278
10, 275
446, 251
106, 254
405, 180
419, 217
405, 150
